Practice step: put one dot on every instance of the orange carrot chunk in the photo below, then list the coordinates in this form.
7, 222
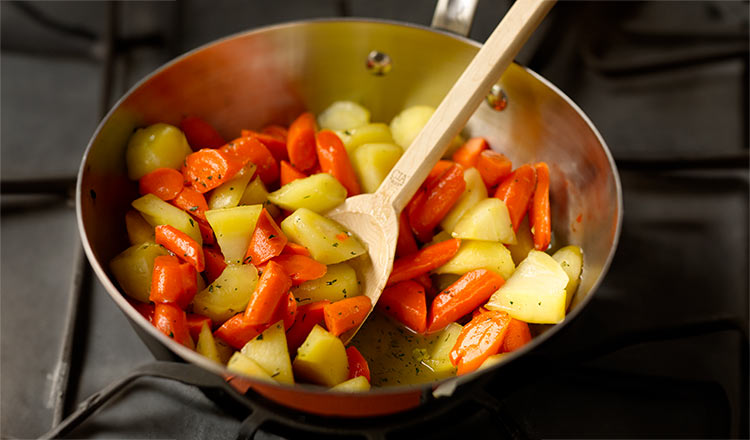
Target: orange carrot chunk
276, 131
334, 160
493, 167
539, 211
286, 310
266, 242
441, 196
518, 335
195, 324
468, 154
423, 261
405, 245
346, 314
171, 321
301, 268
295, 249
438, 170
248, 149
181, 245
516, 192
357, 363
272, 286
470, 291
480, 338
289, 173
215, 263
208, 168
300, 142
276, 145
146, 310
405, 302
307, 316
236, 331
172, 282
164, 183
193, 202
200, 134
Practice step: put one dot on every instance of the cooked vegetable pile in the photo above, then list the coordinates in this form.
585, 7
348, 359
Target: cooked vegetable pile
266, 284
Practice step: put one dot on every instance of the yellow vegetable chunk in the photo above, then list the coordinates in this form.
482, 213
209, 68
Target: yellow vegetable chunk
339, 282
570, 259
319, 192
133, 267
524, 242
492, 360
139, 230
158, 212
440, 237
474, 193
257, 194
343, 115
357, 384
366, 134
206, 344
233, 228
478, 254
229, 193
487, 220
444, 342
406, 126
156, 146
269, 350
228, 294
239, 363
444, 280
535, 293
372, 162
321, 236
321, 359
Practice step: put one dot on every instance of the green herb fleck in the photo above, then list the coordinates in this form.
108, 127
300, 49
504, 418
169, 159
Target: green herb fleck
306, 197
330, 283
276, 374
260, 337
271, 236
193, 208
192, 223
210, 177
335, 245
171, 334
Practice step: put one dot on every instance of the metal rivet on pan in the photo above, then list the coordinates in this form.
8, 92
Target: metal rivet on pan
379, 63
497, 99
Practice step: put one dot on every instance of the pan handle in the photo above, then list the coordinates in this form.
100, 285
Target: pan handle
454, 16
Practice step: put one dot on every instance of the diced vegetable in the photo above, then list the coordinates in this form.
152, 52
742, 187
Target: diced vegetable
365, 134
289, 173
164, 183
133, 267
242, 364
307, 316
208, 168
267, 241
173, 282
319, 192
444, 342
206, 345
346, 314
269, 351
535, 292
492, 360
139, 231
327, 241
236, 331
474, 193
334, 160
357, 363
439, 197
524, 242
516, 191
300, 142
200, 134
539, 211
423, 261
229, 193
461, 297
468, 154
171, 320
181, 245
518, 335
405, 301
301, 268
339, 282
246, 150
407, 124
274, 283
322, 359
480, 338
494, 167
487, 220
570, 259
343, 115
158, 212
372, 162
233, 228
156, 146
357, 384
477, 254
228, 294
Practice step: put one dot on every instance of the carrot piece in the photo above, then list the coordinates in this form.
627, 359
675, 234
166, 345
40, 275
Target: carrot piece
437, 171
468, 154
172, 282
277, 131
193, 202
164, 183
215, 263
423, 261
346, 314
478, 311
249, 149
539, 211
480, 338
405, 245
266, 242
516, 192
357, 363
171, 321
289, 173
208, 168
307, 316
276, 145
425, 281
236, 331
518, 335
470, 291
295, 249
441, 195
300, 142
145, 309
405, 302
181, 245
493, 167
334, 160
195, 324
413, 207
285, 310
301, 268
200, 134
272, 286
207, 234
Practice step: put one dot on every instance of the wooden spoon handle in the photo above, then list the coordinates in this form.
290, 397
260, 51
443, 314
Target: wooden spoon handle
462, 100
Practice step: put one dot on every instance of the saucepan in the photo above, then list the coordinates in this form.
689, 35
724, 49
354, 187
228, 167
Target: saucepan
272, 74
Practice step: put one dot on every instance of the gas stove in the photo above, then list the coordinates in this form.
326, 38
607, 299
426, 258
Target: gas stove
661, 350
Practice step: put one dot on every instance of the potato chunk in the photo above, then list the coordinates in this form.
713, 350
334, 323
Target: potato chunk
524, 242
269, 350
570, 259
474, 193
487, 220
438, 359
229, 193
478, 254
206, 345
372, 162
339, 282
343, 115
326, 240
242, 364
228, 294
357, 384
535, 293
321, 359
133, 267
156, 146
158, 212
319, 192
139, 231
233, 228
366, 134
407, 124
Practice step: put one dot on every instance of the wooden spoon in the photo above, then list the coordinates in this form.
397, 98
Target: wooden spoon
373, 218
